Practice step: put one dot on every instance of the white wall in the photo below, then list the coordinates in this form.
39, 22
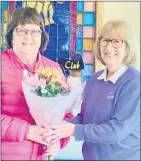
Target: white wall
129, 11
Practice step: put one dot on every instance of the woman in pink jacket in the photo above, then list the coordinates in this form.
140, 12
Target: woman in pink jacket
21, 139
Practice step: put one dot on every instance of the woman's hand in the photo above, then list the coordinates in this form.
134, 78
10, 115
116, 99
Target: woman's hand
56, 132
34, 134
53, 149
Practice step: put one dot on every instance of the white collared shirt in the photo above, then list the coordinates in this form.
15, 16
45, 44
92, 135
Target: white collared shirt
115, 76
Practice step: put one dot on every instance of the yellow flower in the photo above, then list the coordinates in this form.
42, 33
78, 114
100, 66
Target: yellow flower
51, 75
55, 72
45, 72
53, 79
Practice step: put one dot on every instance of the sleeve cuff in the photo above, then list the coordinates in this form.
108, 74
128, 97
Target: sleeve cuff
79, 132
26, 134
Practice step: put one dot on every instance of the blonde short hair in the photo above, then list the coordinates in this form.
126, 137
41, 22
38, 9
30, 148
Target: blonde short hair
123, 30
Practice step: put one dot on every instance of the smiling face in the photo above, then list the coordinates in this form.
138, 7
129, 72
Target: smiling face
115, 52
26, 43
125, 54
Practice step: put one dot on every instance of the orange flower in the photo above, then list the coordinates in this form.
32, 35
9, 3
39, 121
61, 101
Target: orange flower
55, 72
53, 80
52, 76
45, 72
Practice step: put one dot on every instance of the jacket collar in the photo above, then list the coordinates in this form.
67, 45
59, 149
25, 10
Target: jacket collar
18, 61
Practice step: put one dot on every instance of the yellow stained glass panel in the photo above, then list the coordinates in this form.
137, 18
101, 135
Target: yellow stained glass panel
79, 18
5, 14
88, 44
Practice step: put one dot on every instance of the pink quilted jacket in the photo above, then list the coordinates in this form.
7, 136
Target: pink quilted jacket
15, 114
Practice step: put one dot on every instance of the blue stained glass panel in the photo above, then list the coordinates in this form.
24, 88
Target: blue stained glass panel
88, 70
61, 5
63, 54
51, 54
89, 19
79, 31
63, 31
4, 5
79, 44
19, 4
61, 12
67, 72
52, 44
85, 78
51, 30
63, 44
80, 6
62, 19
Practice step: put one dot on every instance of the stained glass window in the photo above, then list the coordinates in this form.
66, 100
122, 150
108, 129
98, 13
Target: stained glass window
70, 25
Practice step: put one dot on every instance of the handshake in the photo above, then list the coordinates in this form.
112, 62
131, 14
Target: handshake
35, 133
50, 135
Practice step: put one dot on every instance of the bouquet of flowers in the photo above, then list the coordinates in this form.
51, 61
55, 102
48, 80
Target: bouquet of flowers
49, 95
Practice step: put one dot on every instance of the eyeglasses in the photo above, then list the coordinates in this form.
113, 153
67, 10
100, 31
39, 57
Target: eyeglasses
116, 43
23, 32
